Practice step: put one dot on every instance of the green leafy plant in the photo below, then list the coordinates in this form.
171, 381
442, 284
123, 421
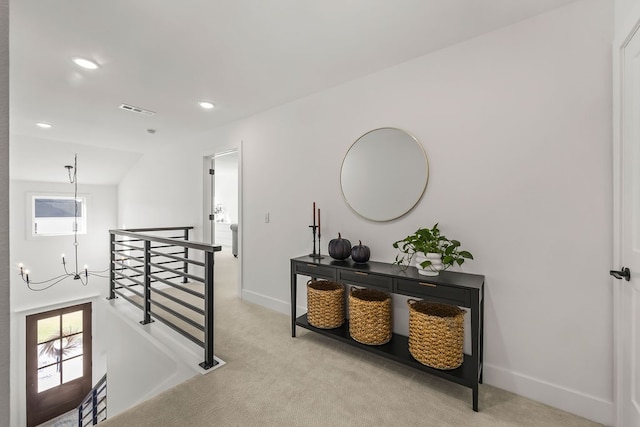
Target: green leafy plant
429, 240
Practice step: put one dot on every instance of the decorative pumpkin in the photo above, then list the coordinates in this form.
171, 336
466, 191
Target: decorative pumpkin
339, 248
360, 253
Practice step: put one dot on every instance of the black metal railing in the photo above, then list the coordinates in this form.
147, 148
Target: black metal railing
93, 408
169, 278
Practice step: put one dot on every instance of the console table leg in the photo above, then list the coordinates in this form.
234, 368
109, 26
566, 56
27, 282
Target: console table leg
481, 324
294, 299
476, 346
475, 397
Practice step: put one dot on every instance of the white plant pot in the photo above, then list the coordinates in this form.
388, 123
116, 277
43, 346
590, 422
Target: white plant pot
436, 264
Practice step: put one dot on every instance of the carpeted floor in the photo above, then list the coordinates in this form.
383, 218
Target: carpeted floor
271, 379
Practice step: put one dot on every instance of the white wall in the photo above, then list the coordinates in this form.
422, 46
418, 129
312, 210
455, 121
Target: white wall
42, 257
161, 189
517, 127
623, 9
4, 214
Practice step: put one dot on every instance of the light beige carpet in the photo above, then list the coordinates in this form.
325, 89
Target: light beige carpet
271, 379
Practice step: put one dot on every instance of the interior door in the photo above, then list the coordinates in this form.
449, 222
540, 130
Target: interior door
58, 361
212, 199
627, 287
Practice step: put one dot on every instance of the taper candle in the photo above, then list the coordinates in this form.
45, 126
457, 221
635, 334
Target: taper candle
314, 213
318, 222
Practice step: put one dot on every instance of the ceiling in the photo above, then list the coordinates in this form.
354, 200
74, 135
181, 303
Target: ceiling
245, 56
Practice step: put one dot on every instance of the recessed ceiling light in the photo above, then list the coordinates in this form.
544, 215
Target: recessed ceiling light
44, 125
85, 63
206, 105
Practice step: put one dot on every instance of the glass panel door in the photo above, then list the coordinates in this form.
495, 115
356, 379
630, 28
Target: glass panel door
58, 361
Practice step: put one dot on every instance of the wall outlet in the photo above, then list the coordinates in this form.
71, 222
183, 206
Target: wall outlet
266, 218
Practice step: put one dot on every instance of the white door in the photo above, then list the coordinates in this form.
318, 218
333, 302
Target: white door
212, 198
627, 230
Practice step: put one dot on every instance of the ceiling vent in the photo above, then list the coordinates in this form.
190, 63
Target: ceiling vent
138, 110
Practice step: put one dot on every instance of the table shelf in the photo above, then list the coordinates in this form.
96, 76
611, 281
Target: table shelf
397, 349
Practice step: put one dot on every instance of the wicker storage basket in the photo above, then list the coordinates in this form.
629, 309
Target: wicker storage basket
370, 316
436, 334
325, 304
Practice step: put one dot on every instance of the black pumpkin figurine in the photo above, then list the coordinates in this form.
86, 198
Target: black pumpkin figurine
360, 253
339, 248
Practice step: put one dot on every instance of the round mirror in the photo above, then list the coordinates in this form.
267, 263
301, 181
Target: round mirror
384, 174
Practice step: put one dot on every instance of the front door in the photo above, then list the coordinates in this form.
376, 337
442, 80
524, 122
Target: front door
58, 361
627, 179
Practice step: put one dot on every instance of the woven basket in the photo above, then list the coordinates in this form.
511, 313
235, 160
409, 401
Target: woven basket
436, 334
325, 304
370, 316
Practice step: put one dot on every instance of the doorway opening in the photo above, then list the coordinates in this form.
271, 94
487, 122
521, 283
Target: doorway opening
222, 222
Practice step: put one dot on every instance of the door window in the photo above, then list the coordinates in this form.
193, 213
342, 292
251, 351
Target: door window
60, 350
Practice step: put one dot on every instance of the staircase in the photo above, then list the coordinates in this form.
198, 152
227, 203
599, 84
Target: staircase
91, 411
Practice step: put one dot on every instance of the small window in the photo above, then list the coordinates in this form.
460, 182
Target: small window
58, 215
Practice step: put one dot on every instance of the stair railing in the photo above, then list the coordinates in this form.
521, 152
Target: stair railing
153, 272
93, 408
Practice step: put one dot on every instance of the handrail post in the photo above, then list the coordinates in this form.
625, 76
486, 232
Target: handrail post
112, 266
185, 264
95, 405
147, 282
209, 360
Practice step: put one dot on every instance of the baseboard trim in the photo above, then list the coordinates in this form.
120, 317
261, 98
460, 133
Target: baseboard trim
573, 401
265, 301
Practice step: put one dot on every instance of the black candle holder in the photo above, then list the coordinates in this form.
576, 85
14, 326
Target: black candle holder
314, 254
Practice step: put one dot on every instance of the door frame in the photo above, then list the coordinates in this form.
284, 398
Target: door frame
622, 37
206, 197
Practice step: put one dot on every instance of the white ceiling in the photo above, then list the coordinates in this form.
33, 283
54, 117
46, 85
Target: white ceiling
245, 56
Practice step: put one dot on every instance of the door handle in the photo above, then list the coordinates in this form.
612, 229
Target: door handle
624, 273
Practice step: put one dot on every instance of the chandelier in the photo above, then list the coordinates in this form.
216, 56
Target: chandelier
76, 274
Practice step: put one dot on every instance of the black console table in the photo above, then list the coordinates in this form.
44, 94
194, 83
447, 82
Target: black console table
461, 289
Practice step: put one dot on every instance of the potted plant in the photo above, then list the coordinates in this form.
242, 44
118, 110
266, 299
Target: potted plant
433, 251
